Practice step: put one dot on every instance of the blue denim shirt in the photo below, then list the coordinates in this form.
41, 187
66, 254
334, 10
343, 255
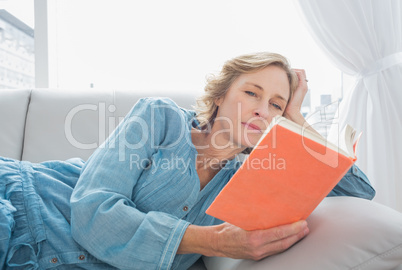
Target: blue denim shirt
133, 201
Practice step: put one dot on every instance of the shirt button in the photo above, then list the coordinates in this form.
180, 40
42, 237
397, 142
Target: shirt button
185, 208
54, 260
81, 257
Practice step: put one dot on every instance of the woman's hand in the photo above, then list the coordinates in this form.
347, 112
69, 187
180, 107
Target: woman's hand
293, 108
226, 240
292, 111
235, 242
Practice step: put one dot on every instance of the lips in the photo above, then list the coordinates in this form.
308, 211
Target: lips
252, 127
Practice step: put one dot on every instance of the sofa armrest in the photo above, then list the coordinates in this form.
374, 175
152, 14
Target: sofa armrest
13, 111
345, 233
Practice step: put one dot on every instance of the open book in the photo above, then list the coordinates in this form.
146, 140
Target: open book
288, 173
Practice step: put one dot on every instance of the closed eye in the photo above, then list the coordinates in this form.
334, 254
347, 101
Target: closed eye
277, 106
251, 93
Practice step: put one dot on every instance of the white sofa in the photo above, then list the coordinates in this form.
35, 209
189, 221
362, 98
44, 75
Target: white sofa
45, 124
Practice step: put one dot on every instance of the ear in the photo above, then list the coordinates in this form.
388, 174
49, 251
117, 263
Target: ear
218, 101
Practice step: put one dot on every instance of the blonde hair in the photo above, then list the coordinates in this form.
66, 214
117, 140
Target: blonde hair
218, 85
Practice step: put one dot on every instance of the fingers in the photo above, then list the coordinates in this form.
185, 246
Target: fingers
301, 73
296, 101
240, 244
285, 231
279, 239
280, 245
287, 237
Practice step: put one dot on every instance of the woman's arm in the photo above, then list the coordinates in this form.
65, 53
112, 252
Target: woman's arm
105, 219
355, 184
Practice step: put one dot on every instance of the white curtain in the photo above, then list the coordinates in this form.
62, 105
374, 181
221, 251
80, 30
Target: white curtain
364, 39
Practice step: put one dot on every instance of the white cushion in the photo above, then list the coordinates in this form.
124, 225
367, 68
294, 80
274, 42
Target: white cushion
345, 233
13, 108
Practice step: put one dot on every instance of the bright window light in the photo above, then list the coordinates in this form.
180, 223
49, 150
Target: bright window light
157, 45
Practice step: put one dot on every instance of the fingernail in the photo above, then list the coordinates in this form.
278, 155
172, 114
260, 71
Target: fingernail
306, 231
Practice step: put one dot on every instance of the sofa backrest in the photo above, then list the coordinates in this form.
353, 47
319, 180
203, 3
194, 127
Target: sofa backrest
61, 124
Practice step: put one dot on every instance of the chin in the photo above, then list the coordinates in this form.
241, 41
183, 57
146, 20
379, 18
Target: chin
251, 141
250, 138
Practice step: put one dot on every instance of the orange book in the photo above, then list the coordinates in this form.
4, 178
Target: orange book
285, 177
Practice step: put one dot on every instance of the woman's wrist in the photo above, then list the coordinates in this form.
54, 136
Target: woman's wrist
296, 117
199, 239
299, 119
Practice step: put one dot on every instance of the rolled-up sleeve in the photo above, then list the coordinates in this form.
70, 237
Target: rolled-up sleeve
104, 218
355, 183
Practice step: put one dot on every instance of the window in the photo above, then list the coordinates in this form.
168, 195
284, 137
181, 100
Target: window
17, 44
155, 46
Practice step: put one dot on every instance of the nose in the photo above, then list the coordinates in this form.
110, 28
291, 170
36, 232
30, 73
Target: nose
262, 114
262, 111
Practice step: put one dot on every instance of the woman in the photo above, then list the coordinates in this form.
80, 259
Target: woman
139, 201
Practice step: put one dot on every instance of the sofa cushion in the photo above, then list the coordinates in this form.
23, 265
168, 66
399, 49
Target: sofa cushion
62, 124
345, 233
13, 104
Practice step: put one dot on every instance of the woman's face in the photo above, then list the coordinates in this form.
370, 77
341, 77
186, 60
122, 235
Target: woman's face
249, 106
